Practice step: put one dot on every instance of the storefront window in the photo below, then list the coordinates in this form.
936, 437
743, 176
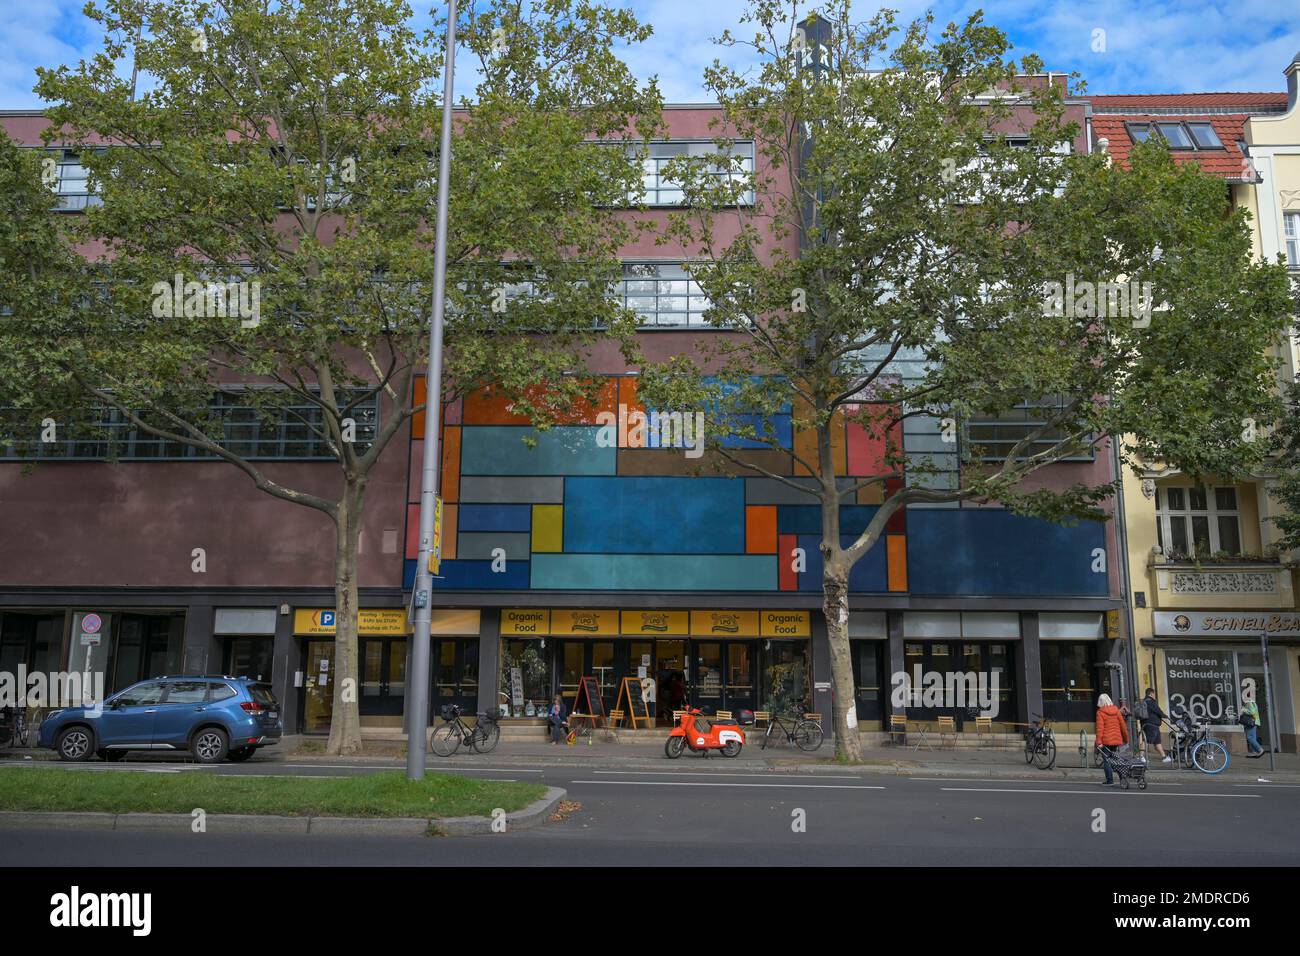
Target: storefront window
33, 640
786, 676
528, 657
1203, 682
708, 673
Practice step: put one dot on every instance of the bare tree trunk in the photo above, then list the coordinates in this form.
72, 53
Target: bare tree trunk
835, 605
345, 724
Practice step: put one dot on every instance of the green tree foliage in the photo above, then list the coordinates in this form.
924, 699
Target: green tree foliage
291, 147
923, 228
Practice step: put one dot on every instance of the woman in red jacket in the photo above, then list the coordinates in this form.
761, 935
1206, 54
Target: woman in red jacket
1111, 732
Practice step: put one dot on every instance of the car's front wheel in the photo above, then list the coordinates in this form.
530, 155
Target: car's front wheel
240, 753
75, 743
210, 745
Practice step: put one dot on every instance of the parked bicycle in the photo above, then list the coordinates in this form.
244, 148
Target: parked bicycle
1040, 743
804, 732
13, 727
453, 734
1192, 746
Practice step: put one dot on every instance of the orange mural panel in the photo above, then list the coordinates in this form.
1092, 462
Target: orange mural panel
896, 558
760, 529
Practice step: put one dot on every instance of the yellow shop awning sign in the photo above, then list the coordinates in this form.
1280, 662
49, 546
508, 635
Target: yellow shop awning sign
381, 622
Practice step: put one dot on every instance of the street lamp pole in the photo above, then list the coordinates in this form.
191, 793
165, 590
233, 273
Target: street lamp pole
422, 598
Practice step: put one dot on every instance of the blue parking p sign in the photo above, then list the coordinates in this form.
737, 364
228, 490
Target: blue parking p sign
327, 618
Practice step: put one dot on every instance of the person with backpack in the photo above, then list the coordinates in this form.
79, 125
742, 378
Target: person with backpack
1112, 732
1149, 713
1250, 721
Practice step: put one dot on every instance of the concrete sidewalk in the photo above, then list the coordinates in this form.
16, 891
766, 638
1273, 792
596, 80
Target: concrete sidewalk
957, 762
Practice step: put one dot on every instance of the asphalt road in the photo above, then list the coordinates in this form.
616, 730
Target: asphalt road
720, 814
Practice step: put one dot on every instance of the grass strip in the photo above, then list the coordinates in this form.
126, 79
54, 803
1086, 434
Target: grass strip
384, 794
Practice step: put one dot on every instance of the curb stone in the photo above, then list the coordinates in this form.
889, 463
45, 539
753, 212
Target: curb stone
533, 815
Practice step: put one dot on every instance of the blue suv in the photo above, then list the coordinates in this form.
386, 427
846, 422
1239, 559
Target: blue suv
214, 718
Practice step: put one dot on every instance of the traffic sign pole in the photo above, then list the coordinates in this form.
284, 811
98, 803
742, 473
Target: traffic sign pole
422, 598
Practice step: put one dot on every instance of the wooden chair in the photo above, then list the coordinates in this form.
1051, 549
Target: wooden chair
677, 717
723, 715
898, 729
616, 718
762, 718
816, 717
984, 731
948, 732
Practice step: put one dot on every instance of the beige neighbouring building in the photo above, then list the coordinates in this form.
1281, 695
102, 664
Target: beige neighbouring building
1206, 575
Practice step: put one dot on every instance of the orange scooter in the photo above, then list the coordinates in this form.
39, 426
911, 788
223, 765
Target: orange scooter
703, 734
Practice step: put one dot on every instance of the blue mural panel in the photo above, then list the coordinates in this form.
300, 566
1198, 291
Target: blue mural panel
459, 575
974, 551
494, 517
654, 572
654, 515
868, 576
807, 519
563, 450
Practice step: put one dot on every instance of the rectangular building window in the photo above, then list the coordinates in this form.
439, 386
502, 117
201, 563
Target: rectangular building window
658, 189
1291, 225
294, 431
994, 436
663, 295
1198, 521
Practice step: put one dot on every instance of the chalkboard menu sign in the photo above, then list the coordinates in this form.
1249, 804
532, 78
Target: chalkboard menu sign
589, 689
637, 708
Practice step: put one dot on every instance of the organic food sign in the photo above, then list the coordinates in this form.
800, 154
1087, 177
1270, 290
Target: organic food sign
1204, 683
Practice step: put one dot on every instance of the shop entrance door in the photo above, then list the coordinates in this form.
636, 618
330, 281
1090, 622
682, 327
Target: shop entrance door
1250, 666
455, 675
723, 676
383, 676
318, 692
670, 676
578, 659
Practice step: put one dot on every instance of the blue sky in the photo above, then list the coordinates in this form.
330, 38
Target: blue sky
1174, 46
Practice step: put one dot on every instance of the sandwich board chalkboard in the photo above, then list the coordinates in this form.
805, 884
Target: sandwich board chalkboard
637, 708
589, 690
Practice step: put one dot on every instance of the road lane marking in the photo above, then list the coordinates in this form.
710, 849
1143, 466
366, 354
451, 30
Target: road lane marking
691, 783
1266, 786
719, 773
334, 766
1099, 791
1150, 783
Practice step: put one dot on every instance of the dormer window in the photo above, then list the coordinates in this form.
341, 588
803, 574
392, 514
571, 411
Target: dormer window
1177, 136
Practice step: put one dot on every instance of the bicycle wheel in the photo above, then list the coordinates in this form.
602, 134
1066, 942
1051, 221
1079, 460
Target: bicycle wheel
446, 740
1210, 756
1031, 744
1096, 758
808, 735
486, 737
1045, 754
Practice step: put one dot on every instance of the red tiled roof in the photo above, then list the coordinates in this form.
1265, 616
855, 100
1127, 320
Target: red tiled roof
1159, 100
1229, 162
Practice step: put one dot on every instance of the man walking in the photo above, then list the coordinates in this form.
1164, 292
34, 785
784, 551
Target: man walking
1149, 712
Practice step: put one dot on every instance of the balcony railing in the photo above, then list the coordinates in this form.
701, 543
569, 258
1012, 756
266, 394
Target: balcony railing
1184, 584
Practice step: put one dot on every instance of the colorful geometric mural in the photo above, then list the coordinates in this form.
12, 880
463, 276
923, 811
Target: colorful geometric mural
570, 514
